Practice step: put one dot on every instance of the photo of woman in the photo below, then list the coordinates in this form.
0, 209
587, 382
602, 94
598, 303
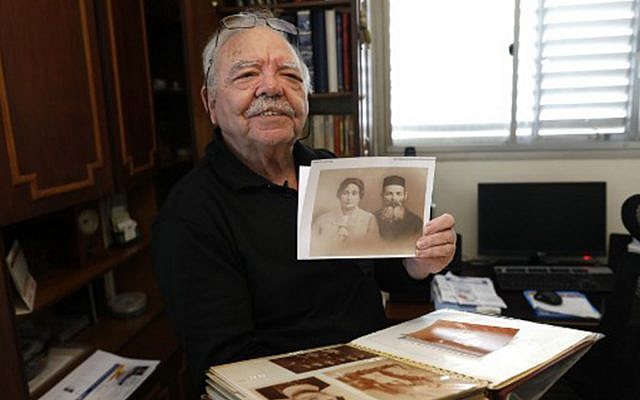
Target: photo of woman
348, 226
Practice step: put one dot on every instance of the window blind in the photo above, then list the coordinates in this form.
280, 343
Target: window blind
576, 65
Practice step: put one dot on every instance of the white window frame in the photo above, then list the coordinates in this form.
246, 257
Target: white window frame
486, 148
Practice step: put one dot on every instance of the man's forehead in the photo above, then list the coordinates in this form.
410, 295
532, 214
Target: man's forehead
394, 188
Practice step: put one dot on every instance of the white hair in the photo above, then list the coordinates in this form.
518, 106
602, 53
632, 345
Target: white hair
220, 37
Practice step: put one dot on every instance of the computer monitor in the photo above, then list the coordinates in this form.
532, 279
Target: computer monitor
542, 219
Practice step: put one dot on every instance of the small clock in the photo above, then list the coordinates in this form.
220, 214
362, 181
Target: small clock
88, 238
88, 221
631, 215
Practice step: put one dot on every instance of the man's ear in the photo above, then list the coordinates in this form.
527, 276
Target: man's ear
208, 104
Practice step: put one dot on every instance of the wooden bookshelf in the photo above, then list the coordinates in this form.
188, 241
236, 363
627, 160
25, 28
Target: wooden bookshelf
121, 330
331, 103
330, 96
63, 281
106, 154
292, 5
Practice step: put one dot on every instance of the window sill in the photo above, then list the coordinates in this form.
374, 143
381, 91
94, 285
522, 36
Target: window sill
507, 151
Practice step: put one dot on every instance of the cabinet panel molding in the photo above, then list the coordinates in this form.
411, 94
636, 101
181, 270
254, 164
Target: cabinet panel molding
53, 132
21, 86
136, 139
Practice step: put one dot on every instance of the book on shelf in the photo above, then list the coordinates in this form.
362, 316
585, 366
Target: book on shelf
446, 354
318, 38
329, 48
332, 59
346, 50
334, 132
305, 41
25, 285
339, 46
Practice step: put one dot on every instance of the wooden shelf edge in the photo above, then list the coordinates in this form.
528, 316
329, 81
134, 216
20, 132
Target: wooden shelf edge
61, 372
65, 280
121, 330
293, 5
330, 96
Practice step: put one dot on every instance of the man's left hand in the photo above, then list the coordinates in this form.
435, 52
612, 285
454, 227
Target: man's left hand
434, 249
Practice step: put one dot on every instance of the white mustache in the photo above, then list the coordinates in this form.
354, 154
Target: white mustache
264, 104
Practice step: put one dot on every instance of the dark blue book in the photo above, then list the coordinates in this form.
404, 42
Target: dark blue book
339, 45
318, 37
305, 43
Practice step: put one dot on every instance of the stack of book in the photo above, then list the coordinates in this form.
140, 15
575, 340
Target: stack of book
447, 354
333, 132
325, 43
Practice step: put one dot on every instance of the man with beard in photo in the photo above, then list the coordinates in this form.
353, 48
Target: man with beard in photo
395, 221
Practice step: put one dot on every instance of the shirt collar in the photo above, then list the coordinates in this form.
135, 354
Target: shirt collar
235, 174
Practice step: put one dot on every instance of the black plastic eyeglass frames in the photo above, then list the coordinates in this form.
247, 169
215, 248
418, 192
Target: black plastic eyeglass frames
249, 21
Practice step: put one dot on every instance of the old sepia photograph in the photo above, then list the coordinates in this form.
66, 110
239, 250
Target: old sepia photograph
474, 339
322, 358
365, 207
306, 388
389, 380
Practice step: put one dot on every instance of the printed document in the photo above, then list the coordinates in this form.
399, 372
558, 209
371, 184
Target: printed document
467, 291
102, 376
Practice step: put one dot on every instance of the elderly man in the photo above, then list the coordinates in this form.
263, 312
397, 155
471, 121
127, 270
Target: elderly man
224, 243
395, 221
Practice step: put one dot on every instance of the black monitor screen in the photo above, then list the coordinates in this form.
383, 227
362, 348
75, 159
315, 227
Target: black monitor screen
542, 219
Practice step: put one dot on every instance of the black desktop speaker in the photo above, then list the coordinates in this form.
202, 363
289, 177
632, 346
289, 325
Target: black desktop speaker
422, 293
630, 214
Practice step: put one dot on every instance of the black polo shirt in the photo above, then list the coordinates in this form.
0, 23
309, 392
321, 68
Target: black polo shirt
224, 252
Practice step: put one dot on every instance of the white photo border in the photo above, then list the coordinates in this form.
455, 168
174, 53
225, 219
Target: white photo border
309, 193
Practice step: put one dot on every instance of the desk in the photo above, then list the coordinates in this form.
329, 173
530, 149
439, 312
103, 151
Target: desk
517, 305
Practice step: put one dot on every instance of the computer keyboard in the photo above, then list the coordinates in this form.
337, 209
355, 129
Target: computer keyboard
537, 277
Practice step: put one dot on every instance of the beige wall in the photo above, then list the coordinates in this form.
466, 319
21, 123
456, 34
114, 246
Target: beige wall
456, 185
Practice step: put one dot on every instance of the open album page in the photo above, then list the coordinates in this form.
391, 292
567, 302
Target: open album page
496, 349
336, 372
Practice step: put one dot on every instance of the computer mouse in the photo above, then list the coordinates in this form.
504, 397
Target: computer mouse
549, 297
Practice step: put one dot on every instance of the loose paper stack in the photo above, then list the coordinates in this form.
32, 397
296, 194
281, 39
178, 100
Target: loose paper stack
466, 294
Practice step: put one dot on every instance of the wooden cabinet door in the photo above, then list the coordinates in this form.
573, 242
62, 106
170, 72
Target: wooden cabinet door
12, 380
131, 101
53, 139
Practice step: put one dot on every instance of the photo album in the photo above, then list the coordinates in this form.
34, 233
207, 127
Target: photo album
367, 207
446, 354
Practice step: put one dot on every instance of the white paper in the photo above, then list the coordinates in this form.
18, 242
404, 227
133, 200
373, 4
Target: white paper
472, 291
303, 178
534, 345
57, 359
23, 281
102, 376
356, 233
